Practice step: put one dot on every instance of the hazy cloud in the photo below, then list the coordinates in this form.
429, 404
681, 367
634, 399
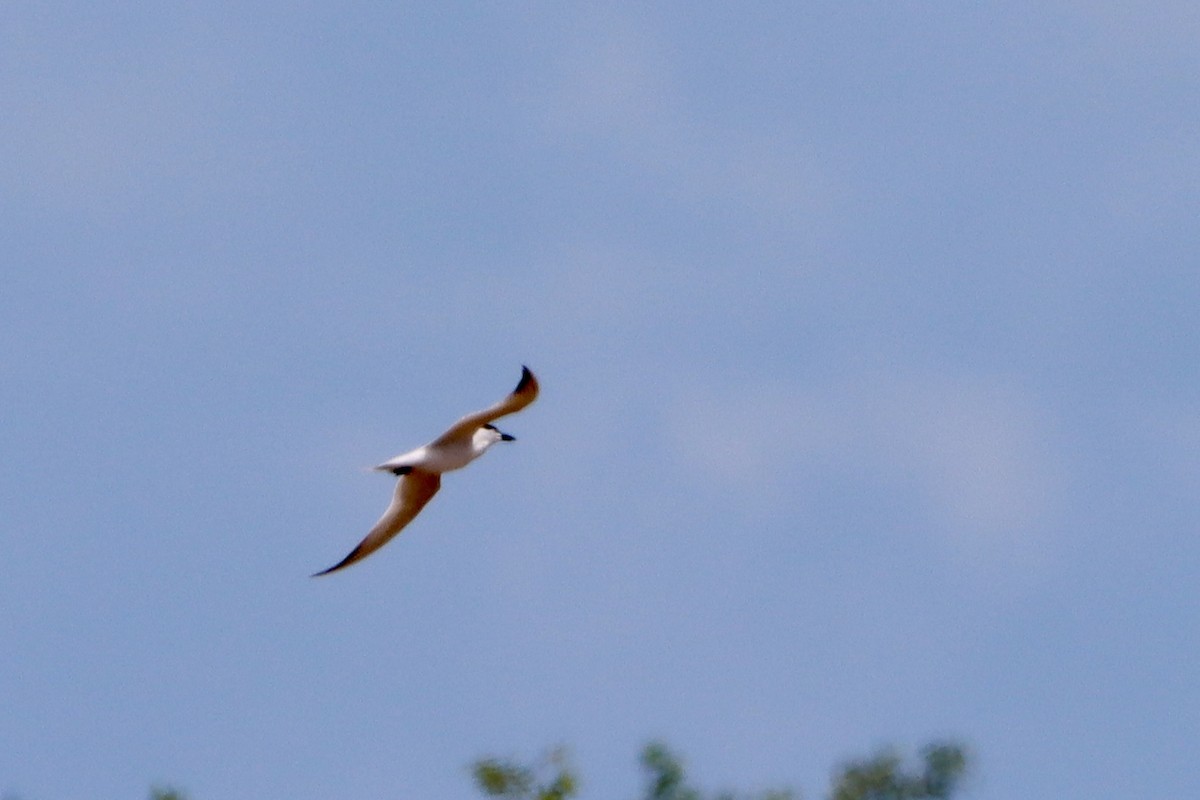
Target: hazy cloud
979, 455
621, 89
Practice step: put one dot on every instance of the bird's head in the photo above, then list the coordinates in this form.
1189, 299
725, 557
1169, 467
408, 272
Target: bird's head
488, 435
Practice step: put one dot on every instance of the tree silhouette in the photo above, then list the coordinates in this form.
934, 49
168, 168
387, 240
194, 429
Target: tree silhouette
551, 779
879, 777
665, 778
883, 776
166, 793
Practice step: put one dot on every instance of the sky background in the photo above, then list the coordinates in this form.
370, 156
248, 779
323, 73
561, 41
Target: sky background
868, 343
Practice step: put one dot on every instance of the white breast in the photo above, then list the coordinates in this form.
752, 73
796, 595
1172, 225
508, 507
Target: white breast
447, 457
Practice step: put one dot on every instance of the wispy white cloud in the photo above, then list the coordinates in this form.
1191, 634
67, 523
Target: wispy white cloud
103, 129
1173, 434
622, 90
97, 143
977, 456
1153, 29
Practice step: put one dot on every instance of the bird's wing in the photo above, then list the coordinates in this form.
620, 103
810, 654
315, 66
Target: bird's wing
525, 393
413, 491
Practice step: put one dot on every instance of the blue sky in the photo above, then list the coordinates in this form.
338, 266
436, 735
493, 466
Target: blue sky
868, 343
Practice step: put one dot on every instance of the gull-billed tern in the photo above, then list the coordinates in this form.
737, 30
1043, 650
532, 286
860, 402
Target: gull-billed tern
420, 471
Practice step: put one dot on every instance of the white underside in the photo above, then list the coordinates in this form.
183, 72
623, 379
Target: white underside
435, 459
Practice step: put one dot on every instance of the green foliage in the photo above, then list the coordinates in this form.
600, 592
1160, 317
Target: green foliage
166, 793
664, 775
502, 778
553, 779
882, 777
665, 778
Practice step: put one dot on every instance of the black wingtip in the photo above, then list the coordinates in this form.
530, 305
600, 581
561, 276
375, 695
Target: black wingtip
345, 562
526, 378
338, 565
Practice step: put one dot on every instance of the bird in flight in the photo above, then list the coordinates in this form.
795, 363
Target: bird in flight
420, 471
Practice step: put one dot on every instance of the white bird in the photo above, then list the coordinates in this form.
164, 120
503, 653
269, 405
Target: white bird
420, 471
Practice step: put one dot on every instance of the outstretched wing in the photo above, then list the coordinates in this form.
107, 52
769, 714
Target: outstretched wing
525, 393
413, 491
